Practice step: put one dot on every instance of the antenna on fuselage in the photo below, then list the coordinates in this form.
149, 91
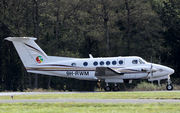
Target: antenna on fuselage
159, 60
151, 59
90, 56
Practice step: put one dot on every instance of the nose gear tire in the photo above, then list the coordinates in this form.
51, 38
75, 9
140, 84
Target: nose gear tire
169, 87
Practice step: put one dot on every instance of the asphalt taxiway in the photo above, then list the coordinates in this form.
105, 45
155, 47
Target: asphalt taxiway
78, 100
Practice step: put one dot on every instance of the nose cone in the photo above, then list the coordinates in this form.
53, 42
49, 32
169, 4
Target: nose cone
171, 71
162, 70
167, 70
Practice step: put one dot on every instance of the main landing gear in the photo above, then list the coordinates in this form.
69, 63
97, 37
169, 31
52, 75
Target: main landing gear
108, 88
169, 87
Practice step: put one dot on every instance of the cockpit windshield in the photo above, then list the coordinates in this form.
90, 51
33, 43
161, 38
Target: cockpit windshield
142, 61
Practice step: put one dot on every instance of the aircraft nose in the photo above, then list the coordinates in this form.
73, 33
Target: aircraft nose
171, 71
163, 70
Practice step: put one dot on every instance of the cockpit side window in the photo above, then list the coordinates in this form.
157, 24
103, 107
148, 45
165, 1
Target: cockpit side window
141, 61
135, 61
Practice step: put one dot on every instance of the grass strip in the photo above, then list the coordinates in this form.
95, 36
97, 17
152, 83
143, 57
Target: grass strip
89, 107
100, 95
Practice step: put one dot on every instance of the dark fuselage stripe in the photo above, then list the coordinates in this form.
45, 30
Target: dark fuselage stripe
57, 70
35, 49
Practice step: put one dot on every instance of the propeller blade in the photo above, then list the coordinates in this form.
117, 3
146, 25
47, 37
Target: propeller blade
148, 74
151, 70
151, 74
151, 66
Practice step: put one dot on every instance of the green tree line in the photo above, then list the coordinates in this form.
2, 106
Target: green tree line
75, 28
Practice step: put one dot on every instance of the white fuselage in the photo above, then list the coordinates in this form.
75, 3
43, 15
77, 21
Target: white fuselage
85, 68
110, 69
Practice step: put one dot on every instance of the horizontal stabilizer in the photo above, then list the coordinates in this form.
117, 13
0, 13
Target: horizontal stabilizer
106, 71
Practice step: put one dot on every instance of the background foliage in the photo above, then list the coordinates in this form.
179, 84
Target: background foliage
75, 28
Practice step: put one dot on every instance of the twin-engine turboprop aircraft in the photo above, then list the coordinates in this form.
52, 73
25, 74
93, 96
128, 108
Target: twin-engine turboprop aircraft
111, 69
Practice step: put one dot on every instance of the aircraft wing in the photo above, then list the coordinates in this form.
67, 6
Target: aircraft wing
106, 71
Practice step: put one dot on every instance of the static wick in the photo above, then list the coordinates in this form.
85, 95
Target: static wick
12, 96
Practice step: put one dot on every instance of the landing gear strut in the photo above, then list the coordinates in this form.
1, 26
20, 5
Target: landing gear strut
169, 87
107, 87
115, 88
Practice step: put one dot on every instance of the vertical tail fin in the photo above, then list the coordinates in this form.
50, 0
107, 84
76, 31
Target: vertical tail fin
29, 52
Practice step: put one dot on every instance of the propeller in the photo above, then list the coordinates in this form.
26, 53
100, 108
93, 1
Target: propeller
152, 70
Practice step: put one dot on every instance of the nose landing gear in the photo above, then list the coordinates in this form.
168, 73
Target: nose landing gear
169, 87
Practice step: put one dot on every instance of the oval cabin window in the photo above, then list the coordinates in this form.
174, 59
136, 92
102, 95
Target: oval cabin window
85, 63
120, 62
101, 63
114, 62
108, 63
95, 63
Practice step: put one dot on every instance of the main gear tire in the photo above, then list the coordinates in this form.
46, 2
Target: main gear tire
115, 88
107, 88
